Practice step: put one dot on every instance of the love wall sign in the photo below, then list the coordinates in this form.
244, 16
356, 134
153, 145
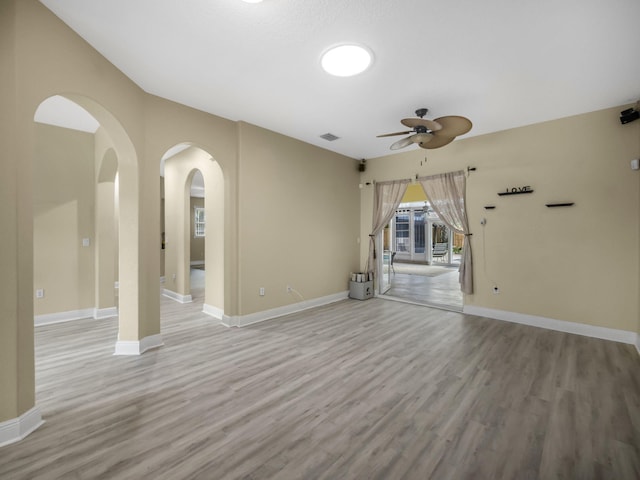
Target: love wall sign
516, 190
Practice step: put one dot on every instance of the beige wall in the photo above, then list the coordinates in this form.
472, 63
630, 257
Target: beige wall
578, 264
74, 201
299, 214
16, 336
106, 221
63, 211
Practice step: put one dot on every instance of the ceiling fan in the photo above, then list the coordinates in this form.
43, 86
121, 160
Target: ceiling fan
430, 133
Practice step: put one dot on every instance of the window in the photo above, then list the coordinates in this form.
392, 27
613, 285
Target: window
410, 237
198, 222
402, 238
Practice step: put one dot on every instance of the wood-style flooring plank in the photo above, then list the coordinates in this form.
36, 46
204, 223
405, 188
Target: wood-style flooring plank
353, 390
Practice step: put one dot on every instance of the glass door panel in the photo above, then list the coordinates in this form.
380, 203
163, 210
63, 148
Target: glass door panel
402, 239
410, 235
383, 281
419, 234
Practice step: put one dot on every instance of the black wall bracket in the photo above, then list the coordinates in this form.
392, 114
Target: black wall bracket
565, 204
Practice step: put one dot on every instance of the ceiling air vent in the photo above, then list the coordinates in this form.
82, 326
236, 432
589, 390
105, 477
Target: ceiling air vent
329, 137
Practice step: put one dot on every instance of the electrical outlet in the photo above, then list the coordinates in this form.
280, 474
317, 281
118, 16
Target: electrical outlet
40, 293
262, 291
289, 289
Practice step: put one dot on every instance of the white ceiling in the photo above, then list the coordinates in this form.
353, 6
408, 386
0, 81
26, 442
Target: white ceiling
501, 63
62, 112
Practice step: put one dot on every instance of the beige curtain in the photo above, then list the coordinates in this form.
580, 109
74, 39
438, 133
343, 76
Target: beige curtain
387, 197
446, 194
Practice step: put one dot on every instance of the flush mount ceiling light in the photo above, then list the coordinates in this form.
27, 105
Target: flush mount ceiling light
346, 60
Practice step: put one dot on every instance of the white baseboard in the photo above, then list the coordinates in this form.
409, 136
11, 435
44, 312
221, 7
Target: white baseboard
215, 312
243, 320
622, 336
16, 429
176, 296
138, 347
102, 313
60, 317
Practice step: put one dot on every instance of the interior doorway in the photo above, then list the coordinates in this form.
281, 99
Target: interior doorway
196, 246
193, 231
421, 255
75, 216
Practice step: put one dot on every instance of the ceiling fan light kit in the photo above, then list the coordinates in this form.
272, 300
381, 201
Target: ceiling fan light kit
405, 142
430, 134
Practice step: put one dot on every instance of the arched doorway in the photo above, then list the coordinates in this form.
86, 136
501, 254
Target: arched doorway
193, 186
63, 211
196, 247
110, 151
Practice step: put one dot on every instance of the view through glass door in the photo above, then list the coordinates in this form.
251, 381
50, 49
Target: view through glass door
410, 235
384, 261
421, 258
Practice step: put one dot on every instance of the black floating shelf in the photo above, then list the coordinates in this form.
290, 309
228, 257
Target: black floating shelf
515, 193
567, 204
489, 207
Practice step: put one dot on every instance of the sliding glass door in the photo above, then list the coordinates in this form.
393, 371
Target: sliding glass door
418, 235
410, 235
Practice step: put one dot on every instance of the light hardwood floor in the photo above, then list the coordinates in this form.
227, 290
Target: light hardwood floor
355, 390
438, 291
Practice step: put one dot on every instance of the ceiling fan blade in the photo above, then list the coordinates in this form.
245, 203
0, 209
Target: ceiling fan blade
437, 142
404, 142
421, 138
453, 125
392, 134
421, 122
